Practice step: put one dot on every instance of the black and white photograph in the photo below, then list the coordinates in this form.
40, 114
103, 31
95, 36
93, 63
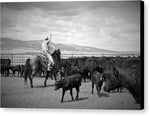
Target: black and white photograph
72, 55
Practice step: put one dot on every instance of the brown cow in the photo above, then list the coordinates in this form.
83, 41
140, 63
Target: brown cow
97, 79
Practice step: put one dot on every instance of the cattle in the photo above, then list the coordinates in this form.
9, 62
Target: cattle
68, 83
22, 67
127, 78
5, 66
66, 64
79, 62
61, 73
88, 68
15, 69
86, 73
99, 69
97, 79
73, 70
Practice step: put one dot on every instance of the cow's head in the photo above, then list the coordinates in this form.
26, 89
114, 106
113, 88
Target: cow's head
110, 82
58, 84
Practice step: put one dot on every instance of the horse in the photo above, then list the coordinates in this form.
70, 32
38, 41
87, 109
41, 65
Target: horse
39, 63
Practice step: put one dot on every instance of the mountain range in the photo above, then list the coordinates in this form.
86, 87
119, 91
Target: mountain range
9, 45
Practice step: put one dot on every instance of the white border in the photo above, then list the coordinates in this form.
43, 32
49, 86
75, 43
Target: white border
62, 112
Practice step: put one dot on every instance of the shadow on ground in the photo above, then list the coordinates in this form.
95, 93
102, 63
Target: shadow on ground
103, 95
82, 98
42, 86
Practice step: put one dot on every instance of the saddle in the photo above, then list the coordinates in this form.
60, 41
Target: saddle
44, 57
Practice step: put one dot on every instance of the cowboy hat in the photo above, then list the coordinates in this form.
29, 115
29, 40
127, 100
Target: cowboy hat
47, 39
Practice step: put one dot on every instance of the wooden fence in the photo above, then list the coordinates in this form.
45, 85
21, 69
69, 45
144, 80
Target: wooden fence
21, 58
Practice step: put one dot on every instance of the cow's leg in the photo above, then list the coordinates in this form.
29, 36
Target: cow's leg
47, 74
71, 94
84, 78
63, 93
18, 73
119, 89
7, 72
100, 86
14, 74
98, 89
77, 96
92, 87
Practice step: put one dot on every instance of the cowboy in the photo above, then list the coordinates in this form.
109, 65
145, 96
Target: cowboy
48, 48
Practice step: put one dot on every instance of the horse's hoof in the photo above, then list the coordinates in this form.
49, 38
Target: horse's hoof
31, 86
61, 101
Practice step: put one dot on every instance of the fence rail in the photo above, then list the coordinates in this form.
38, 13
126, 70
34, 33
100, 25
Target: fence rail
21, 58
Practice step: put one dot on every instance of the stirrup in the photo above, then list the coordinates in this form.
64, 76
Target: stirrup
49, 68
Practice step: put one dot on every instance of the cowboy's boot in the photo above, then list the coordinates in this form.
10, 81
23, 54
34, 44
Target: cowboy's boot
49, 68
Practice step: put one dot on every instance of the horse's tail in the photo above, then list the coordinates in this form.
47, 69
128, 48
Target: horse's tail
27, 70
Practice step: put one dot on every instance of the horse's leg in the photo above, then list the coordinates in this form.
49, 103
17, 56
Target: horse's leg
31, 78
100, 86
47, 74
51, 75
31, 82
55, 76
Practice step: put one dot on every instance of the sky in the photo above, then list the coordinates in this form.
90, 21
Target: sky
111, 25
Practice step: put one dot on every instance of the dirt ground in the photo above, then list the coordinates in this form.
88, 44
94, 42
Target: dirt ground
15, 94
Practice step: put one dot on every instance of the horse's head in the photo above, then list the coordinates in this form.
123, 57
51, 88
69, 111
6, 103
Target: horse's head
57, 55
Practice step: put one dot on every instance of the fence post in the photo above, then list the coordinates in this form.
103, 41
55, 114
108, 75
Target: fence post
22, 59
12, 59
133, 55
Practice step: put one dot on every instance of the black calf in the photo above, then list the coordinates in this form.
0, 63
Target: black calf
70, 82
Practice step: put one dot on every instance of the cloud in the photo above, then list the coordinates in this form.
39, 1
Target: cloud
96, 24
